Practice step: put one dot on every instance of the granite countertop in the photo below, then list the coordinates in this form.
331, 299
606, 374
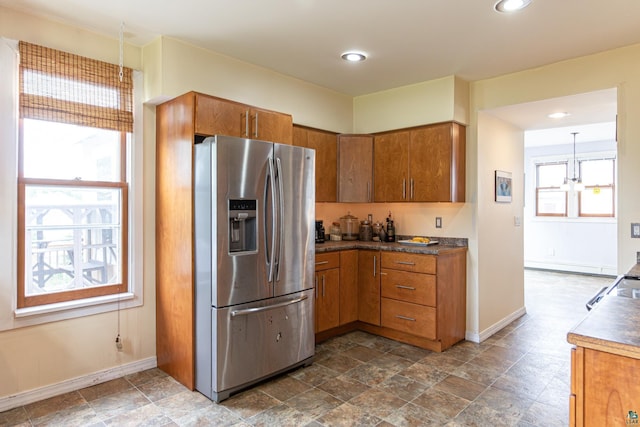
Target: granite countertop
612, 325
445, 245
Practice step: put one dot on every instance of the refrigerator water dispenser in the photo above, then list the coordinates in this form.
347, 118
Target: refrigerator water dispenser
243, 230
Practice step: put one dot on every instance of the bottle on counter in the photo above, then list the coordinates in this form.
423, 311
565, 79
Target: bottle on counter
391, 229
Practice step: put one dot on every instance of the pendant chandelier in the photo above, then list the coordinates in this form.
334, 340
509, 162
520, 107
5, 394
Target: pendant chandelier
574, 183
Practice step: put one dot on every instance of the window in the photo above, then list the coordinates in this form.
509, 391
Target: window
550, 199
76, 121
598, 197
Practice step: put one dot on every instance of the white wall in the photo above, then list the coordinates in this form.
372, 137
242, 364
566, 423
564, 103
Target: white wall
582, 245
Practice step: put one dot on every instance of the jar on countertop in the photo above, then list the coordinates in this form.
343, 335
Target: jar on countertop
335, 233
366, 231
350, 226
377, 227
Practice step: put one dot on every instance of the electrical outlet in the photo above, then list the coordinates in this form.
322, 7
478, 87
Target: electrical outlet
438, 222
635, 230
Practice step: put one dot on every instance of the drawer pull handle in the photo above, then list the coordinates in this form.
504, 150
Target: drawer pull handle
405, 263
405, 318
322, 262
411, 288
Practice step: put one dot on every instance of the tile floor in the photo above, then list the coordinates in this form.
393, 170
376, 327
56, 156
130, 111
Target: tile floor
518, 377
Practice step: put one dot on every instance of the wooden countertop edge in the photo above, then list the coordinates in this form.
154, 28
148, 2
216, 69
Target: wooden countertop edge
604, 345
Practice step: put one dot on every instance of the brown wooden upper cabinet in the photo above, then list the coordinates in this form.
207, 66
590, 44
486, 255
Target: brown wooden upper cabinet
326, 146
355, 168
423, 164
217, 116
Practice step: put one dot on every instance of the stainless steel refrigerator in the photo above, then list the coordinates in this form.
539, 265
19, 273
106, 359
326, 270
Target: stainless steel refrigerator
254, 244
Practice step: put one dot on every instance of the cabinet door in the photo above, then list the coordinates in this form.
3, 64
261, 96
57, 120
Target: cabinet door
391, 166
216, 116
348, 286
369, 287
611, 388
271, 126
437, 163
326, 146
355, 168
327, 299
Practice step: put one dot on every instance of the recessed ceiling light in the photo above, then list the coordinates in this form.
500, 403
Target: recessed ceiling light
354, 56
558, 115
506, 6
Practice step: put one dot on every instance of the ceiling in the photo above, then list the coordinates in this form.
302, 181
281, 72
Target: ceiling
407, 41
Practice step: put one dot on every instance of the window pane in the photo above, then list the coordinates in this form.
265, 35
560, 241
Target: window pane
597, 172
551, 175
72, 238
552, 202
597, 201
62, 151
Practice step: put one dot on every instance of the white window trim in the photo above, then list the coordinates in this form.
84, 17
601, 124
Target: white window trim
572, 201
10, 316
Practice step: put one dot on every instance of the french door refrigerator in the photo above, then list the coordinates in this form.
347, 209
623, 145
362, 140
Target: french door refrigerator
254, 214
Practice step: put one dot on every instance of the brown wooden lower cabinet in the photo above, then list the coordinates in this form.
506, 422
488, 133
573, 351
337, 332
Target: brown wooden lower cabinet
605, 390
336, 289
369, 287
419, 299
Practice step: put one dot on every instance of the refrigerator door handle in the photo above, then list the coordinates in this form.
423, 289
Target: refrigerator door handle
280, 232
271, 255
246, 311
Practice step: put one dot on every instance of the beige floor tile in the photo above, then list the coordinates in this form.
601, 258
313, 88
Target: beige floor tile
518, 377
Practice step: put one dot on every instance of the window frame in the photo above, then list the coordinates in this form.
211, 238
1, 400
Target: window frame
612, 186
83, 76
12, 317
537, 188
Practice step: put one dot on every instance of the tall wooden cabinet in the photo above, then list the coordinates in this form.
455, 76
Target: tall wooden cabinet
423, 164
326, 146
178, 122
355, 168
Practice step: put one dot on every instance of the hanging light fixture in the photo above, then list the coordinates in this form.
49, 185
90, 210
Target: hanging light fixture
574, 183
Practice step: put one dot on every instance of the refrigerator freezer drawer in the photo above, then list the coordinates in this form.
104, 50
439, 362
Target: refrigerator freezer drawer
254, 341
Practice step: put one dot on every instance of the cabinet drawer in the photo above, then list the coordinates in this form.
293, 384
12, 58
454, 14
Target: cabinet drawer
327, 260
410, 318
417, 288
409, 262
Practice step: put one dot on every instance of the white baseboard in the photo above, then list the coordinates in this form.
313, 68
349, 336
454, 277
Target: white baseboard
35, 395
572, 268
479, 337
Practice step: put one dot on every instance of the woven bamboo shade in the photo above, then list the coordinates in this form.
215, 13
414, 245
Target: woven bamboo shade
61, 87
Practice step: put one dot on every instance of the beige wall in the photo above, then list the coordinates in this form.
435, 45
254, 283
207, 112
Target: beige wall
500, 281
38, 356
184, 67
422, 103
616, 68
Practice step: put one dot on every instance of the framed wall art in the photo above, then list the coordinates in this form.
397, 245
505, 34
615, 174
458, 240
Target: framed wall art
504, 187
